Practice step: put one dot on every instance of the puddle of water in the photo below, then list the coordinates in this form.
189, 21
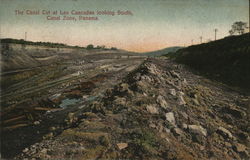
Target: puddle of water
91, 98
66, 102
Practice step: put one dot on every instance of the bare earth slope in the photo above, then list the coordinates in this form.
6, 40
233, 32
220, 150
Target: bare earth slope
161, 110
32, 95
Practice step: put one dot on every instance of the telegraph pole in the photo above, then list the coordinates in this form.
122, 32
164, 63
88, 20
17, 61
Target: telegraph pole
215, 32
25, 38
192, 41
201, 38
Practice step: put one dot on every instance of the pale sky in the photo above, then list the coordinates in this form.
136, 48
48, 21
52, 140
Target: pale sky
155, 24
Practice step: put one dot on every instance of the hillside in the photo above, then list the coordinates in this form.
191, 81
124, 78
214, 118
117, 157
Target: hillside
227, 60
162, 51
20, 54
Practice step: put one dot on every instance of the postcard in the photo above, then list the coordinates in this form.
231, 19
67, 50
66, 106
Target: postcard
125, 79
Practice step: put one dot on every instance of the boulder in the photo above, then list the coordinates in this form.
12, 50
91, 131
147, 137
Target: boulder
141, 86
52, 128
185, 82
184, 126
36, 123
146, 78
242, 150
239, 147
197, 129
177, 132
122, 145
152, 109
70, 118
123, 87
175, 75
152, 69
224, 132
25, 150
172, 92
120, 101
181, 100
170, 118
162, 102
44, 151
195, 101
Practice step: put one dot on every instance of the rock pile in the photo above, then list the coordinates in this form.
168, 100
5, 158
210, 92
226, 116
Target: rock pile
161, 110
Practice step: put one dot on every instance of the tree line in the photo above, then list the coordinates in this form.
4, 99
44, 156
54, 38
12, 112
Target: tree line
53, 45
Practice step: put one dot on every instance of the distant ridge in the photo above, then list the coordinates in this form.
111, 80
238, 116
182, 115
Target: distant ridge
162, 51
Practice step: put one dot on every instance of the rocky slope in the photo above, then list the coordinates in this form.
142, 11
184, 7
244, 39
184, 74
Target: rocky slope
161, 110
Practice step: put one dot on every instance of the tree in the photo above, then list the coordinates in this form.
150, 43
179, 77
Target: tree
238, 28
90, 46
100, 47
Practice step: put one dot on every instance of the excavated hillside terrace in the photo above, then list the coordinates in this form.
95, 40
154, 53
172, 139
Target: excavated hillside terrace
161, 110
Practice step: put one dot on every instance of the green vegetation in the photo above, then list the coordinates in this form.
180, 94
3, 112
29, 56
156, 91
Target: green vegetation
53, 45
21, 41
90, 46
100, 47
143, 141
238, 28
227, 60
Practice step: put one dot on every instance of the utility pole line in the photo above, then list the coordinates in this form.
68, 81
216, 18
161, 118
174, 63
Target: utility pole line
0, 33
215, 33
192, 41
201, 39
